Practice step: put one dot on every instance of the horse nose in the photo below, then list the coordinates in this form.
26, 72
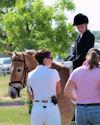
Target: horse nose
12, 92
12, 95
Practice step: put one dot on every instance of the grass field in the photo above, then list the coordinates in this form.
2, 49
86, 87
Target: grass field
4, 85
12, 115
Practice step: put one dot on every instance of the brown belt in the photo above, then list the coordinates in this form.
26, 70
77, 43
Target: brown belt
44, 101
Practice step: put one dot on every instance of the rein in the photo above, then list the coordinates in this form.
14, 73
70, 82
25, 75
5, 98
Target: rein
61, 69
24, 71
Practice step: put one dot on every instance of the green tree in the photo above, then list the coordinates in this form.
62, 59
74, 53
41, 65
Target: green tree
97, 36
33, 25
4, 6
7, 3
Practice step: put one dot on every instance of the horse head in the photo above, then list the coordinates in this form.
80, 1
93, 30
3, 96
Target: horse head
21, 64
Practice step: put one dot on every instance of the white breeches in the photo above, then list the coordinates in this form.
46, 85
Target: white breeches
45, 114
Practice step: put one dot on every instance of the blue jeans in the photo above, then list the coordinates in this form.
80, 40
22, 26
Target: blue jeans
87, 115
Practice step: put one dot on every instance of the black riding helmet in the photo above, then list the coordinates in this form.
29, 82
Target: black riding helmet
80, 19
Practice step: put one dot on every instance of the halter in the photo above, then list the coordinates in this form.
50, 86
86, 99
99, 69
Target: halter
24, 71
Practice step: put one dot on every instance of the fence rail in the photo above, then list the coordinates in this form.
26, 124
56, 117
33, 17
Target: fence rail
4, 72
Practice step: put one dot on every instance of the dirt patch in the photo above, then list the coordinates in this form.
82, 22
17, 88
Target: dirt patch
7, 101
5, 98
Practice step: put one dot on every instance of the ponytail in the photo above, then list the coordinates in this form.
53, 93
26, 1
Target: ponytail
93, 60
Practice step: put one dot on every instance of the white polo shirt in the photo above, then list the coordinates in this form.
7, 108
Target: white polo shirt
43, 82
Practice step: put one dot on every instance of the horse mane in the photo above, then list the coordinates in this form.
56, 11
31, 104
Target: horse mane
31, 52
58, 66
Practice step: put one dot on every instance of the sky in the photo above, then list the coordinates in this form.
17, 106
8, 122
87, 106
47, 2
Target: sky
91, 8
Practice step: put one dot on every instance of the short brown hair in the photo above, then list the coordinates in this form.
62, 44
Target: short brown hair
41, 54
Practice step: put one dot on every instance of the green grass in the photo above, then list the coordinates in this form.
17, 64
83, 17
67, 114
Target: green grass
4, 85
4, 79
73, 123
14, 115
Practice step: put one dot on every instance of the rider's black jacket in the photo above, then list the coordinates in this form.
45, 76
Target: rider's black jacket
82, 45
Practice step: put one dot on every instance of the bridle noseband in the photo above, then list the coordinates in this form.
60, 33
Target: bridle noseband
24, 71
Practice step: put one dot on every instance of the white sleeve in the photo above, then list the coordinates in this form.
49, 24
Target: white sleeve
28, 81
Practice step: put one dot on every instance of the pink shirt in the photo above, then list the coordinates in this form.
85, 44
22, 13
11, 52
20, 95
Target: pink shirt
87, 83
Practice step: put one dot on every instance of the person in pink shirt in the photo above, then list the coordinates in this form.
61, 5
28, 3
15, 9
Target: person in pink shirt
86, 80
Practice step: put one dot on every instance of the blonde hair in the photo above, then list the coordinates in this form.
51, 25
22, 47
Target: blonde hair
92, 59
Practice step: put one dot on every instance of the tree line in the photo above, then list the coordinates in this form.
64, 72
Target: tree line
97, 36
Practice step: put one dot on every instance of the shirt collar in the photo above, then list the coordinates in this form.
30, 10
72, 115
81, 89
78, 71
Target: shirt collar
42, 66
81, 35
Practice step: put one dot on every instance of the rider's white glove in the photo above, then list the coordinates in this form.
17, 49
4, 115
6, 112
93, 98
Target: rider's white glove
68, 64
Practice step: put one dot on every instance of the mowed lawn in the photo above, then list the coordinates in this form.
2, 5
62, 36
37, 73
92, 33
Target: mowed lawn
4, 85
13, 115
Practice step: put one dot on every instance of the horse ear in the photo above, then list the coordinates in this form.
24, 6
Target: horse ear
9, 53
18, 55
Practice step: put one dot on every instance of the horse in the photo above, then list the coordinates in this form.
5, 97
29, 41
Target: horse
24, 62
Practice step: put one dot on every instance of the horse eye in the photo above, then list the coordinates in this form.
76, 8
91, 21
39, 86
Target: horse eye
19, 70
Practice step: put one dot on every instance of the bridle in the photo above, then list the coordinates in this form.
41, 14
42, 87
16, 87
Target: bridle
24, 71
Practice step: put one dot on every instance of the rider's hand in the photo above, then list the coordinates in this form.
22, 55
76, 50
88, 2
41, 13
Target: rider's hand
68, 64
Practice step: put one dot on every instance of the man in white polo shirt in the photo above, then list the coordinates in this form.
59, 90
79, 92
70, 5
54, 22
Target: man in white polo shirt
45, 84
